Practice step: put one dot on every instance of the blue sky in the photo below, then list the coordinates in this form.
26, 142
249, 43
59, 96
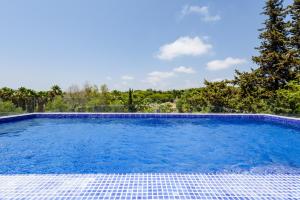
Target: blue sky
125, 43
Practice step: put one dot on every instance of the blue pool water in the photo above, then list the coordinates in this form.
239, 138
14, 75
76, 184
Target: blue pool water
204, 145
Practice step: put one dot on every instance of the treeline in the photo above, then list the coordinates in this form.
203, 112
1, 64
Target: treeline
89, 98
272, 87
27, 100
222, 96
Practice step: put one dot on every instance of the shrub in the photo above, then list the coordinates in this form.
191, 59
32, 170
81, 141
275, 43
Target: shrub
7, 107
167, 107
288, 99
57, 105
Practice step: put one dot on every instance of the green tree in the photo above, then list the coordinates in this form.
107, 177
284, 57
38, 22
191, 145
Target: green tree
6, 94
295, 25
221, 96
25, 98
57, 105
7, 107
42, 99
295, 33
288, 98
55, 91
31, 97
251, 96
275, 60
167, 107
104, 95
19, 98
192, 100
75, 98
130, 104
146, 105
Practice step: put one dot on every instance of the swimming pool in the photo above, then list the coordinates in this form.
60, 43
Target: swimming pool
87, 144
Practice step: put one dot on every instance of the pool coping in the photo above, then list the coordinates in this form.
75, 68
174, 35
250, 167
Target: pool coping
291, 121
151, 185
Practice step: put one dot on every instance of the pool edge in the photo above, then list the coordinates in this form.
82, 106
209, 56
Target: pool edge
292, 121
150, 186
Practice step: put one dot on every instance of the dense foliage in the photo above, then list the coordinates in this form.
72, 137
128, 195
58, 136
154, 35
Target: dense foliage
272, 87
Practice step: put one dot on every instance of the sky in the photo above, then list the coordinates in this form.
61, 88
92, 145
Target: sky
139, 44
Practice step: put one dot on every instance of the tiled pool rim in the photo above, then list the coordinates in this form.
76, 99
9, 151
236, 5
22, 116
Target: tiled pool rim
150, 186
291, 121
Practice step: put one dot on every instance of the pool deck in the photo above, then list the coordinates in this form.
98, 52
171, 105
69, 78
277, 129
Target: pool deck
151, 186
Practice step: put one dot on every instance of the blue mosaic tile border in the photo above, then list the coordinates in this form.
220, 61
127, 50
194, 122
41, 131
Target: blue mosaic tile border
294, 122
14, 118
150, 186
144, 115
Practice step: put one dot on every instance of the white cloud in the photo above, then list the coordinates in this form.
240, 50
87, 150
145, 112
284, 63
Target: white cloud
183, 69
224, 64
203, 11
184, 46
161, 74
158, 76
126, 77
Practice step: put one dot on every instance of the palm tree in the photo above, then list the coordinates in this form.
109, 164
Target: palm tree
42, 100
55, 91
25, 98
6, 94
19, 98
30, 97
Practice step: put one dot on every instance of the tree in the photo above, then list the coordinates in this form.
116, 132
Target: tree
295, 25
251, 96
295, 32
192, 100
275, 60
25, 99
221, 96
19, 97
131, 106
42, 99
6, 94
249, 83
30, 100
75, 98
55, 91
57, 105
90, 91
104, 95
167, 107
288, 98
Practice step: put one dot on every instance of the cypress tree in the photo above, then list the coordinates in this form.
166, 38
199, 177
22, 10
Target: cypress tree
131, 107
295, 29
295, 32
275, 60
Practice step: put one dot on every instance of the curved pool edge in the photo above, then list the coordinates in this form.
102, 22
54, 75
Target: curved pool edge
150, 186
